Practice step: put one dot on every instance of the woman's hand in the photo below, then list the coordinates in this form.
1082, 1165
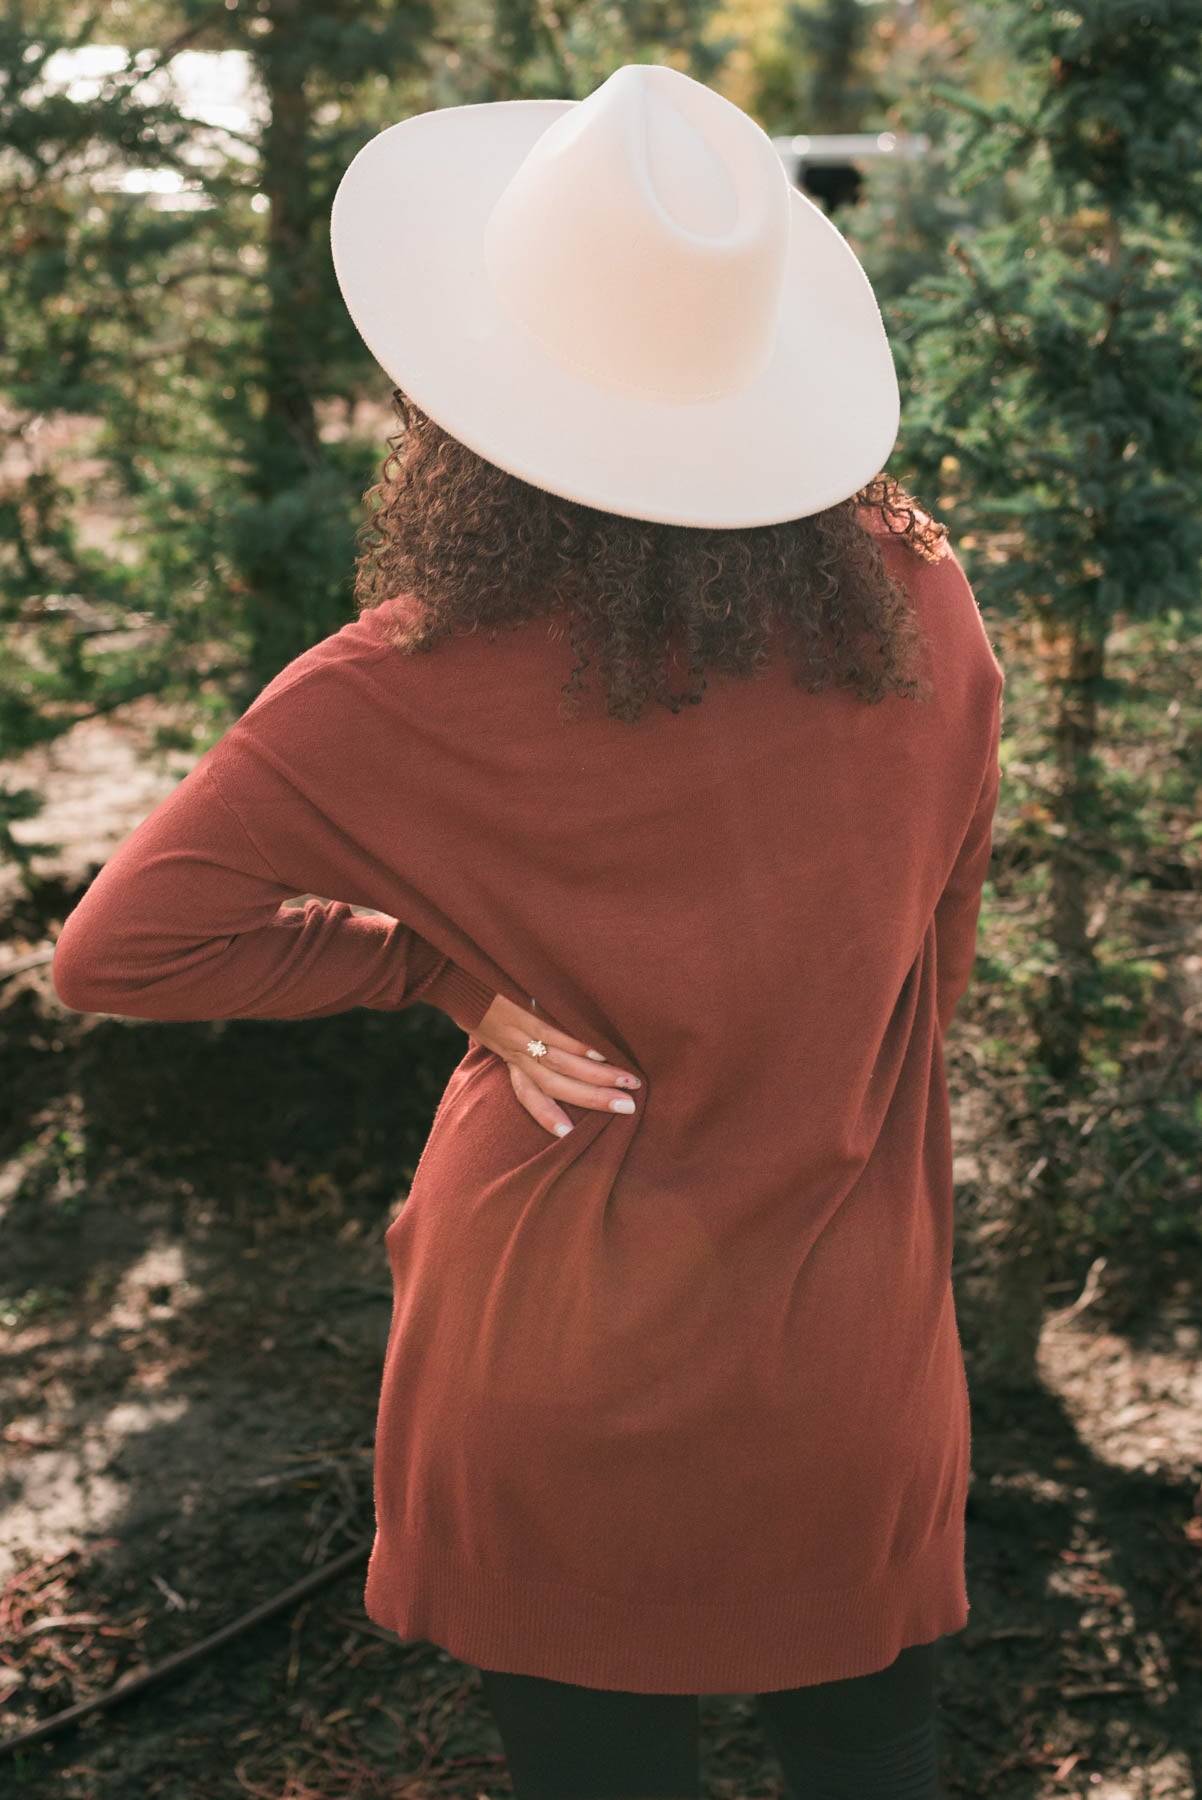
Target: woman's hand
569, 1071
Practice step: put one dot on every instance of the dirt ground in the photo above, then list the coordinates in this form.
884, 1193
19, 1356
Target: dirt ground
194, 1301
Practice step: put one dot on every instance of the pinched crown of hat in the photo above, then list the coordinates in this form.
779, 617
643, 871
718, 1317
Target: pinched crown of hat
642, 242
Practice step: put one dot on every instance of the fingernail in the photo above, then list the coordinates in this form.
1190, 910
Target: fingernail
629, 1081
562, 1129
623, 1104
595, 1054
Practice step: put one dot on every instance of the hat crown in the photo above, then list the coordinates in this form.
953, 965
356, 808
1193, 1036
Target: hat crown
642, 242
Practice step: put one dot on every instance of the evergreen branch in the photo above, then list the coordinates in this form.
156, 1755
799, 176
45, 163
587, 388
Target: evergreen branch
985, 295
120, 359
1112, 248
213, 269
151, 683
962, 101
490, 64
254, 143
998, 117
121, 84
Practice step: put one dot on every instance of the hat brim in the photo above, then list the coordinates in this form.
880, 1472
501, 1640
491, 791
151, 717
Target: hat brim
406, 228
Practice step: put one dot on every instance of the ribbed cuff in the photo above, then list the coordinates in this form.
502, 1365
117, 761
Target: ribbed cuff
460, 995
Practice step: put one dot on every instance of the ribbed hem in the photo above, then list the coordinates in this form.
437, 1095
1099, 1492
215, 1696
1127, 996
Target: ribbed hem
423, 1591
455, 992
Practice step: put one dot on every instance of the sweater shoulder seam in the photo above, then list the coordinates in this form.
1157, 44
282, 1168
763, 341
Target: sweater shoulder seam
359, 653
240, 822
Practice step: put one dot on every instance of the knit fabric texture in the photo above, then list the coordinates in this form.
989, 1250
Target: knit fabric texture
675, 1403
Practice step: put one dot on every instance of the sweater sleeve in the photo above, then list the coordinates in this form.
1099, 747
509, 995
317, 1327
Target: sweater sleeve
187, 921
959, 906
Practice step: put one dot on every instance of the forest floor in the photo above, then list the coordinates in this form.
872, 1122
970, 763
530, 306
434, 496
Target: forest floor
193, 1321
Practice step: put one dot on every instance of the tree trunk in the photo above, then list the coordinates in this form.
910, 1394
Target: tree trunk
290, 428
1060, 1018
1026, 1250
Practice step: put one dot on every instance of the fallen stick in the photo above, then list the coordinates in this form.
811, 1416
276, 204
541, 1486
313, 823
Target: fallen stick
183, 1659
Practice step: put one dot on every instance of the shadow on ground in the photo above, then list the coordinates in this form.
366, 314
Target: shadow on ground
195, 1298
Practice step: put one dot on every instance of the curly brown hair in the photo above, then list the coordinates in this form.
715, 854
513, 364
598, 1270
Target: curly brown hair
478, 548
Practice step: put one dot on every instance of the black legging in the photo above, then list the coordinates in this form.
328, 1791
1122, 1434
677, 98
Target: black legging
871, 1737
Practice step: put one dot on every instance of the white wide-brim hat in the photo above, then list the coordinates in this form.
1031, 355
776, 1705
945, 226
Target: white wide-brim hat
623, 300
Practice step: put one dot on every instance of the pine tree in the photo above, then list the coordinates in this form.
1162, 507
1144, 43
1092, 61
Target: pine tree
74, 300
1055, 363
208, 348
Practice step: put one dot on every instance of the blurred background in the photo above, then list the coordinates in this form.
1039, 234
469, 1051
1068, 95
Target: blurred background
190, 422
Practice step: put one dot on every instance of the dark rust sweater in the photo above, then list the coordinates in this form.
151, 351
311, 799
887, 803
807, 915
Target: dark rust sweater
675, 1403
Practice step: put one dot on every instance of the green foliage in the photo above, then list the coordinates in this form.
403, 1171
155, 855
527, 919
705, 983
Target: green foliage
206, 347
1039, 270
1056, 355
86, 310
830, 86
1039, 275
